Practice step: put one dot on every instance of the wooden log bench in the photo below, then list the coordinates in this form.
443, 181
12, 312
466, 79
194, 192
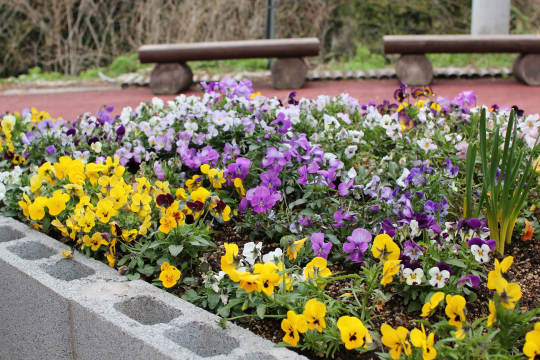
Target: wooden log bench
414, 68
172, 75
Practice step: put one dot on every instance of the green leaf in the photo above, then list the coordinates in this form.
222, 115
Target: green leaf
190, 295
281, 344
414, 306
261, 310
456, 262
46, 224
253, 147
362, 173
297, 202
149, 269
289, 189
134, 277
278, 228
472, 297
307, 212
333, 238
175, 249
233, 303
213, 299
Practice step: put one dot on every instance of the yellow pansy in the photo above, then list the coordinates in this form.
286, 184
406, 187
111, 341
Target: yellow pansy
432, 303
294, 249
37, 208
509, 292
420, 340
454, 310
268, 277
385, 248
390, 268
314, 313
169, 275
57, 203
292, 326
105, 210
396, 340
352, 331
95, 241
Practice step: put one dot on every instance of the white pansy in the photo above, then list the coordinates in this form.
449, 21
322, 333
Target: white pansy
96, 147
413, 277
356, 135
427, 144
350, 151
252, 251
2, 191
157, 103
405, 174
125, 117
480, 253
438, 277
273, 256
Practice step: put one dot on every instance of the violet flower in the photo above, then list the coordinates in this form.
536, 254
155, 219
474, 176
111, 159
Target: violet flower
262, 200
270, 180
283, 125
412, 249
320, 248
158, 170
357, 244
240, 168
469, 280
50, 150
305, 221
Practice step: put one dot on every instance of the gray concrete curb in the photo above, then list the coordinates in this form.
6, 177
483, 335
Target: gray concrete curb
55, 308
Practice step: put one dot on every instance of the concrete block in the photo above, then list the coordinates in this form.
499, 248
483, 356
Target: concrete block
55, 308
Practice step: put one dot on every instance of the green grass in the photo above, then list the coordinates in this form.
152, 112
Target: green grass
476, 60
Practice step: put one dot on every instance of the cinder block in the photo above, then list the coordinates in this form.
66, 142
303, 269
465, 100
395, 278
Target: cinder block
55, 308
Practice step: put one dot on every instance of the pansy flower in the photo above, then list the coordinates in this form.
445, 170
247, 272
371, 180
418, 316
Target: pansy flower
480, 249
413, 273
357, 244
320, 248
412, 250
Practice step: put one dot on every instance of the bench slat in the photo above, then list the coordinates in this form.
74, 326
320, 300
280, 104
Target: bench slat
247, 49
431, 44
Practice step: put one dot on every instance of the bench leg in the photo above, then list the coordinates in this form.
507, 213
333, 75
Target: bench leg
170, 78
289, 73
414, 70
527, 69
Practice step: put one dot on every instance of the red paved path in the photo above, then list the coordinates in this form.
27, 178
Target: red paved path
490, 91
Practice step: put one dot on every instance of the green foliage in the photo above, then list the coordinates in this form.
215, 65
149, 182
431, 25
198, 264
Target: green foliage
218, 66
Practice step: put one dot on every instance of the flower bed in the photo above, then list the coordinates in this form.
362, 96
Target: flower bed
324, 217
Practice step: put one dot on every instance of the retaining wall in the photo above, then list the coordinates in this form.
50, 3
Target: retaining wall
55, 308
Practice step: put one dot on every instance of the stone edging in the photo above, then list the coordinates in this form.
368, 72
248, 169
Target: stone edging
55, 308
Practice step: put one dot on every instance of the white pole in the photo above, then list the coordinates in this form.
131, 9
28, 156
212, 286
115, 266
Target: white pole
490, 17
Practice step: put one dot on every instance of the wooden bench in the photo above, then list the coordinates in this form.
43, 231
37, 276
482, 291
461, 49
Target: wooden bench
172, 75
414, 68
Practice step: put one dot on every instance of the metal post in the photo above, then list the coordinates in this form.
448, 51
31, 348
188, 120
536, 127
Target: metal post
270, 23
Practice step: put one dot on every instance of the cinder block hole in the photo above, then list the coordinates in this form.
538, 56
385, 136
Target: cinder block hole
67, 270
147, 311
7, 233
204, 340
31, 250
257, 356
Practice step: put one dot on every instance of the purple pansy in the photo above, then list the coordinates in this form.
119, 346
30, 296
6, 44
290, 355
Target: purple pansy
320, 248
357, 244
